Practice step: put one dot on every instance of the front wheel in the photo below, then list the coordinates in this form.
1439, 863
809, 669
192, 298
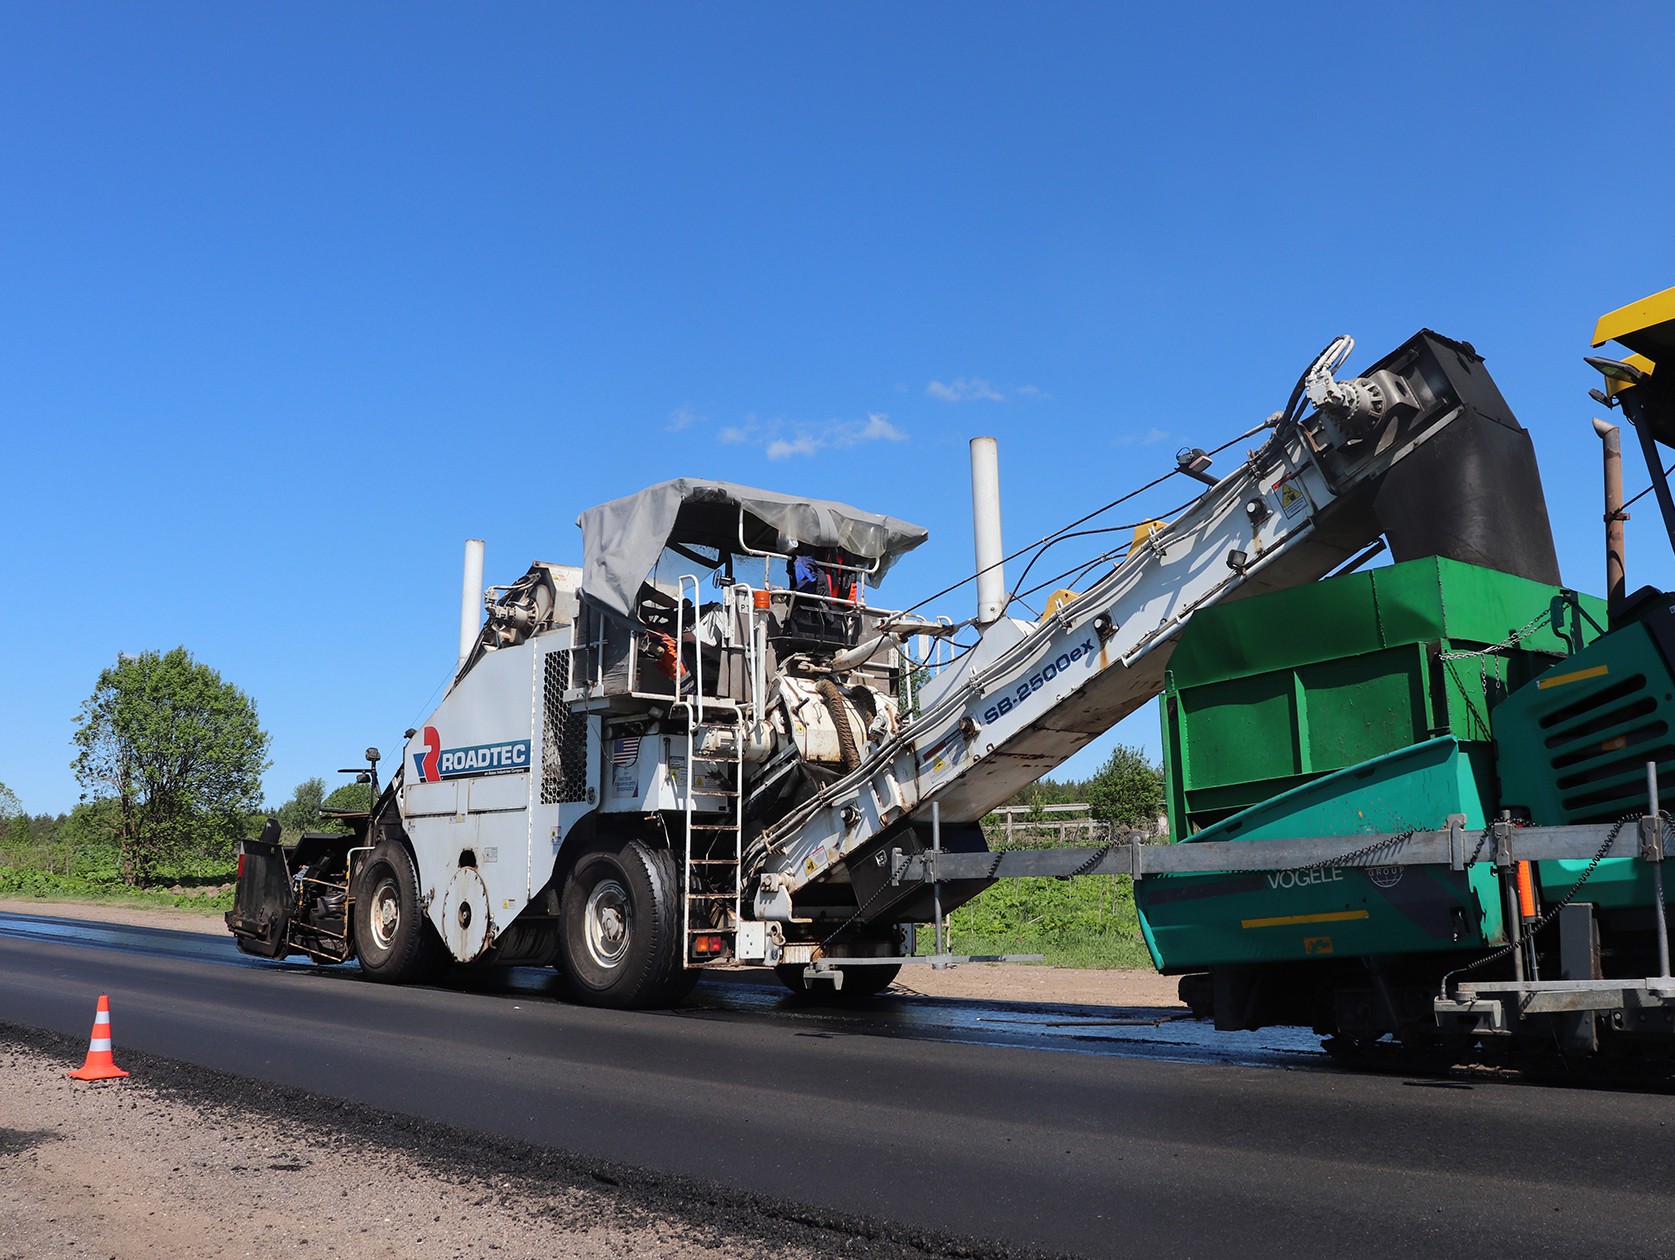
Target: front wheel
393, 940
620, 935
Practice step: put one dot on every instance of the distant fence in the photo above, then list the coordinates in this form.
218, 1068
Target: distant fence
1060, 825
1017, 826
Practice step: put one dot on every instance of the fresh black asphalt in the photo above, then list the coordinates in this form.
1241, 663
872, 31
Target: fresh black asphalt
911, 1144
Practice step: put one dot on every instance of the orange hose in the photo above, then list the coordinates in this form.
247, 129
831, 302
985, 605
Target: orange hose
1526, 891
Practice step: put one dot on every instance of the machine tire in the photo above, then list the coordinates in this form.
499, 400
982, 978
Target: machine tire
619, 934
393, 940
859, 983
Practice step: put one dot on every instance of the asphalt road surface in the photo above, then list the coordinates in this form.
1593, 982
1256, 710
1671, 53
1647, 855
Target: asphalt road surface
1094, 1133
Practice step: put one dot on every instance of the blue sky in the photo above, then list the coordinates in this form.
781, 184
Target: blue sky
299, 296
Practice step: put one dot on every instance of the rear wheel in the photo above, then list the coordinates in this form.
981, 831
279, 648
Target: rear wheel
859, 983
395, 943
620, 933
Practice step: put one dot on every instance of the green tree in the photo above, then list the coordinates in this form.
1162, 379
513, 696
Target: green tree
350, 796
14, 823
1127, 791
302, 812
177, 752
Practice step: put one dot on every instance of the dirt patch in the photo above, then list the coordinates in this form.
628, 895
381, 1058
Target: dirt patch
1051, 986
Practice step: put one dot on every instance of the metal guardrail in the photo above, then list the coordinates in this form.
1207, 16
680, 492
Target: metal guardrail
1453, 847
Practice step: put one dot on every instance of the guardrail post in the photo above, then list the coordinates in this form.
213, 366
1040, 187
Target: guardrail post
1509, 889
936, 888
1651, 850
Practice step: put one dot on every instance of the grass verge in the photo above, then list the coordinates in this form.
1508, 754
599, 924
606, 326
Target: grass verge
44, 886
1088, 922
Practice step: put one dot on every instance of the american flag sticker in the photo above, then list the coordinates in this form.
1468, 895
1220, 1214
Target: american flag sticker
625, 752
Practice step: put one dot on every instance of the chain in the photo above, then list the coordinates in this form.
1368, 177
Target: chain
1484, 655
883, 888
1511, 641
1505, 951
1482, 839
1098, 856
1482, 729
1387, 845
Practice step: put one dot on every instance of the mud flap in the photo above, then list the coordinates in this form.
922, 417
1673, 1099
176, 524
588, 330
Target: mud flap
260, 919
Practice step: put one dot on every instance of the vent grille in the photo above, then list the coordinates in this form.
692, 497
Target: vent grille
564, 737
1597, 748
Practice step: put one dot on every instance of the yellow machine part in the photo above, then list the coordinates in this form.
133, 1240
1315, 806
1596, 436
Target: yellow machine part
1646, 327
1057, 600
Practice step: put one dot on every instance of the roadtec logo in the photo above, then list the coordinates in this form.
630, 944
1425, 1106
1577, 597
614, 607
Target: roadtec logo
437, 762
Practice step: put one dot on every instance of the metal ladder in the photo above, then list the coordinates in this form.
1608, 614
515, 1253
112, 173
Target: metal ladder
713, 874
698, 848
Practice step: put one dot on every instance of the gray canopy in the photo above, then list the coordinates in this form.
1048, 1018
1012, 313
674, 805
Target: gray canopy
622, 539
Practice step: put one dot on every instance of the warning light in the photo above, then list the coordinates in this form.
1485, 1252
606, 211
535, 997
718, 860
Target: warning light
708, 946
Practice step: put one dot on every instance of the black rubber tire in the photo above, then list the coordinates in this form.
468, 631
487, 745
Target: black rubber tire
619, 931
393, 940
561, 988
859, 983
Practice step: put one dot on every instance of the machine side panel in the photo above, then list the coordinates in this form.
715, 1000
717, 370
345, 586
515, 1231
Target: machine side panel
475, 753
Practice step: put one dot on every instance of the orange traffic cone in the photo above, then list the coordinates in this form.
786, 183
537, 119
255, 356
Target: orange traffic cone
99, 1066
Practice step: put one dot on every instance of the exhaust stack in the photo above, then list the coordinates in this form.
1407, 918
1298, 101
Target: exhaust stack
1615, 575
985, 520
470, 600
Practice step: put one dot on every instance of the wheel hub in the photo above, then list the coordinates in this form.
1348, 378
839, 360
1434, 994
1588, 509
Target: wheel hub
607, 923
467, 924
386, 913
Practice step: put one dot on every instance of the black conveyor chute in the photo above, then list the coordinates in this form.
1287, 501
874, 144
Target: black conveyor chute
1473, 491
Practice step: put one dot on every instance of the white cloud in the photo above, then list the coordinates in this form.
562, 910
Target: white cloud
1150, 437
878, 426
682, 417
783, 439
964, 389
1031, 391
802, 444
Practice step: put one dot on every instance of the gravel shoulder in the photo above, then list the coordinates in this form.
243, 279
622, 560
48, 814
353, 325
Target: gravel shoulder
189, 1163
124, 1168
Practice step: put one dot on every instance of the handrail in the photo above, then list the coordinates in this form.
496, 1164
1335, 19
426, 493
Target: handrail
680, 641
744, 597
686, 826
